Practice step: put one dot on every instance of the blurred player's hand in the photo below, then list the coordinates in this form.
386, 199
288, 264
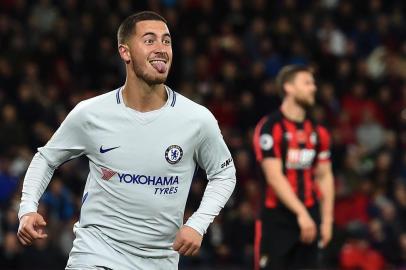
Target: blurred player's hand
326, 229
32, 227
308, 229
187, 241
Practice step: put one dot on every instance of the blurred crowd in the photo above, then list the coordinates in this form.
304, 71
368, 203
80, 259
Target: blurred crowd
55, 53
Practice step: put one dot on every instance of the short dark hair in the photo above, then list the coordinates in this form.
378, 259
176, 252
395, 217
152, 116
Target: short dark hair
288, 74
127, 27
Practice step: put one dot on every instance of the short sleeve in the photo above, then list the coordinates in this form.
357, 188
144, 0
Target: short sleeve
324, 152
267, 139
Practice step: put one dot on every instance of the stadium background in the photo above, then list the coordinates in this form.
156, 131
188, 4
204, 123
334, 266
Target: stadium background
54, 53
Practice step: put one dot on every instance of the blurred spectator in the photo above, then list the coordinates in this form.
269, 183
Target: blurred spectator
10, 220
357, 254
400, 202
8, 183
402, 251
329, 101
43, 16
370, 134
10, 252
356, 101
383, 174
12, 132
240, 235
243, 164
58, 201
332, 39
41, 256
221, 105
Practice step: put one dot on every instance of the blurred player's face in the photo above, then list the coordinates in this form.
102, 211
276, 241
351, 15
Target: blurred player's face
303, 89
151, 51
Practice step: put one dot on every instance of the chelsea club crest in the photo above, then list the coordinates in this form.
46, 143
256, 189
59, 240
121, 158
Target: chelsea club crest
173, 154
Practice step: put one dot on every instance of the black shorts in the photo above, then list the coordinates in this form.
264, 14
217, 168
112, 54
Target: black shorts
277, 241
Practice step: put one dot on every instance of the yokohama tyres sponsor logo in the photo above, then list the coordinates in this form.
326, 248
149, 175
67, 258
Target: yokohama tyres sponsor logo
163, 184
148, 179
168, 183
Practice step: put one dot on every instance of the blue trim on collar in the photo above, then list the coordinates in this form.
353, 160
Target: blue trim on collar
173, 99
118, 96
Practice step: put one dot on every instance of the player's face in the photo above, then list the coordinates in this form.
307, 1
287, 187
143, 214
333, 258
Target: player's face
304, 89
151, 51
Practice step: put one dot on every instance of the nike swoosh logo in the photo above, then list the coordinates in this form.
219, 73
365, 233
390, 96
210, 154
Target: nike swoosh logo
107, 149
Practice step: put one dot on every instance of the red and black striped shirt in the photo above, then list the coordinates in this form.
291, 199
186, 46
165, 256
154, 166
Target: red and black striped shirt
300, 146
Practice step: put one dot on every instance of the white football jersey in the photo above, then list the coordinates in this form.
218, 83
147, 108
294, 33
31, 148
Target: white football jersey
141, 168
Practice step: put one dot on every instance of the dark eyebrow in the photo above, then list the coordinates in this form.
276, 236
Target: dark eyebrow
151, 33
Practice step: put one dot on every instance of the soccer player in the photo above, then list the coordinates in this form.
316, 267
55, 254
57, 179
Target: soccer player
293, 154
144, 142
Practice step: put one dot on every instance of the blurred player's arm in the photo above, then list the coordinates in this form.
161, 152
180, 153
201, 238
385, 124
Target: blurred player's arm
325, 179
272, 168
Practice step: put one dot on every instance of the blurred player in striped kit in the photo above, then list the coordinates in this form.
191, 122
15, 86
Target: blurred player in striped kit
293, 152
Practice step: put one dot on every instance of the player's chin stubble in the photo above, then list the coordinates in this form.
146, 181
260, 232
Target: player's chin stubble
150, 79
305, 103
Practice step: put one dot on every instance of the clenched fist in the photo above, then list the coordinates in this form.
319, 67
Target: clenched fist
187, 241
32, 227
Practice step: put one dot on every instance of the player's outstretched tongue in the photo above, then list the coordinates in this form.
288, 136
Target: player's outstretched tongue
159, 66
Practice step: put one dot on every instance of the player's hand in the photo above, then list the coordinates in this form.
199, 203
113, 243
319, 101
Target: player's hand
187, 241
308, 229
32, 227
326, 229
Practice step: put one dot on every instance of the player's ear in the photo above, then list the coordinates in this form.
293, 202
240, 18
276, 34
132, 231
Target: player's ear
125, 54
288, 87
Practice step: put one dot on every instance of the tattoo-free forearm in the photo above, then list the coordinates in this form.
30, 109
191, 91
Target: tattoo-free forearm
281, 186
326, 184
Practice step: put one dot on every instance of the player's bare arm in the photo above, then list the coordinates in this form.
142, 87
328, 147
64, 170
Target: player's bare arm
324, 177
272, 168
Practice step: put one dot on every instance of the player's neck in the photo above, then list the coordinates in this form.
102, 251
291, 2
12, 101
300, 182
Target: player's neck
293, 111
142, 97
